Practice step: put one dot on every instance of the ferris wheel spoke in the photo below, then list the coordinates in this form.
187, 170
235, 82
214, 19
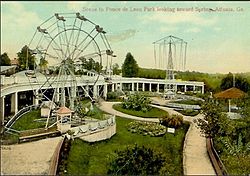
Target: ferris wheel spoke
60, 39
86, 46
72, 36
58, 48
67, 41
78, 45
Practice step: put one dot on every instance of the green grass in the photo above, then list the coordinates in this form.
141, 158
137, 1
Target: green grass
26, 122
94, 158
152, 113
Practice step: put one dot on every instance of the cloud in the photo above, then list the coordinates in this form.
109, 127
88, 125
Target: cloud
178, 18
169, 29
193, 30
18, 18
217, 29
121, 36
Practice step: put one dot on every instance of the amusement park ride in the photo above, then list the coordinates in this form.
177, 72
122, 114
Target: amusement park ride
64, 40
171, 53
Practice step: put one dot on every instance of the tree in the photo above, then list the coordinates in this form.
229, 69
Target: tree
4, 60
116, 70
214, 119
23, 55
130, 68
43, 64
137, 161
240, 82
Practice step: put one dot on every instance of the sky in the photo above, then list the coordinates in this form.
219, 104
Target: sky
217, 33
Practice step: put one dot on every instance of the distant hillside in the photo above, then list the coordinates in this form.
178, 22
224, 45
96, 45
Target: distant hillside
212, 81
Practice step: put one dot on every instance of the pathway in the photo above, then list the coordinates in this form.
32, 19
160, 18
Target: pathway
195, 158
32, 158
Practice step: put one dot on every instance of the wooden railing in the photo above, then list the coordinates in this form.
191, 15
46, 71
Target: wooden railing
215, 159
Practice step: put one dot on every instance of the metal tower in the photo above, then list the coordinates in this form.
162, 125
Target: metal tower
171, 56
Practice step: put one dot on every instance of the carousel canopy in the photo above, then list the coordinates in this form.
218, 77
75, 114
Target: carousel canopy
230, 93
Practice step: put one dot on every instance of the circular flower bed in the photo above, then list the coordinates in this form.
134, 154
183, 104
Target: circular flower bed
147, 128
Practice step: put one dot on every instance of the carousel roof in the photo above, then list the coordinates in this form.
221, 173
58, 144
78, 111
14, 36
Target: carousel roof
230, 93
63, 110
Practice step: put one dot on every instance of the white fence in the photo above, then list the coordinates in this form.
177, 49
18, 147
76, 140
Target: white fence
92, 127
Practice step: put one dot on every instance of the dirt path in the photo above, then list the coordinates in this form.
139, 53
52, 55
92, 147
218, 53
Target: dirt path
195, 158
31, 158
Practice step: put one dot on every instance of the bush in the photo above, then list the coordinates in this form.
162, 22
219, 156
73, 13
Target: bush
173, 121
137, 161
147, 128
137, 102
114, 95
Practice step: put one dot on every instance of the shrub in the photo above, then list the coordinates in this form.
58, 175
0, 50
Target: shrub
137, 102
114, 95
174, 120
137, 161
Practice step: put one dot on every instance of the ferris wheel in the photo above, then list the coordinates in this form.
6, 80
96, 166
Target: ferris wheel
62, 45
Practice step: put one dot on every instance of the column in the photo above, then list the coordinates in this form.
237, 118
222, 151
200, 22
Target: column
121, 86
86, 92
105, 91
143, 87
35, 98
185, 88
158, 88
57, 94
113, 87
133, 86
202, 89
14, 103
95, 91
193, 88
137, 86
150, 87
2, 108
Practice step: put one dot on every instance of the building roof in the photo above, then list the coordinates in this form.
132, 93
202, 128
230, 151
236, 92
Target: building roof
14, 61
64, 110
230, 93
5, 68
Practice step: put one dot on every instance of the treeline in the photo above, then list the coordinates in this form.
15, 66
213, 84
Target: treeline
213, 82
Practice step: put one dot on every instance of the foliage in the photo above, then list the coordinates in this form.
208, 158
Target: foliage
137, 102
43, 64
136, 161
94, 158
114, 95
240, 82
90, 64
25, 56
4, 60
130, 67
151, 73
147, 128
116, 70
174, 120
152, 113
211, 125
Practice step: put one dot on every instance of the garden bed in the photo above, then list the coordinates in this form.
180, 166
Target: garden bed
152, 113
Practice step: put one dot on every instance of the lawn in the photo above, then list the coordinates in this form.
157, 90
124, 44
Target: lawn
152, 113
94, 158
26, 122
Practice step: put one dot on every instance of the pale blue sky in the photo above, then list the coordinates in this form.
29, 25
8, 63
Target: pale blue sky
218, 41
